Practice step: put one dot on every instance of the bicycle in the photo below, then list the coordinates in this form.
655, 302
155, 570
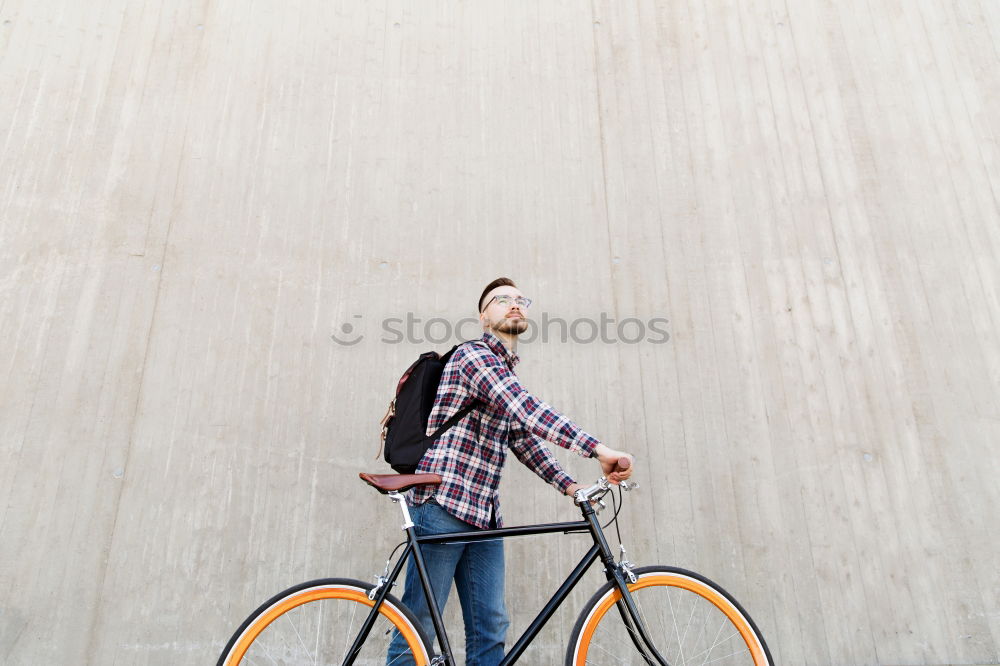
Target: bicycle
662, 615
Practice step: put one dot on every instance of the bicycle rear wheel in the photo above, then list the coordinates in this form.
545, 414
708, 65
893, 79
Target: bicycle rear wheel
316, 623
689, 619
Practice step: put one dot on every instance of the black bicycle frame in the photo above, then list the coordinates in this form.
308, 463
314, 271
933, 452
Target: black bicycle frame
600, 550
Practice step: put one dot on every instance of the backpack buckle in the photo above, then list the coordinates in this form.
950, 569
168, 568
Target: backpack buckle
389, 413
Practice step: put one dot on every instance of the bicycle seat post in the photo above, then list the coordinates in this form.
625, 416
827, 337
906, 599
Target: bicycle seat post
398, 498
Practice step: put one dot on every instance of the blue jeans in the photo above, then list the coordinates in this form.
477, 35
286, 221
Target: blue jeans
478, 572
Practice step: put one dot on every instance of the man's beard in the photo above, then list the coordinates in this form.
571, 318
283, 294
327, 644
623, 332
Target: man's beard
511, 326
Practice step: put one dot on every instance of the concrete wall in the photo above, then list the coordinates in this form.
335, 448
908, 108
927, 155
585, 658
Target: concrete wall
194, 196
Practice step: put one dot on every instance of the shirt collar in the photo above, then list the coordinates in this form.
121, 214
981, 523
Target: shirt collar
498, 348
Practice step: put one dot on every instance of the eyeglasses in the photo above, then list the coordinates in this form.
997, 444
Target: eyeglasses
506, 301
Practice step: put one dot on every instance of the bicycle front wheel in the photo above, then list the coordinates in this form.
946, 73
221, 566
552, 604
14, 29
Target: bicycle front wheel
317, 622
688, 618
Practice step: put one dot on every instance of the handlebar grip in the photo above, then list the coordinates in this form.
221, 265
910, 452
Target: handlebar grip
623, 464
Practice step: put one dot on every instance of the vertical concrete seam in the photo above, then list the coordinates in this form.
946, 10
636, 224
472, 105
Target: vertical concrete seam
604, 156
96, 621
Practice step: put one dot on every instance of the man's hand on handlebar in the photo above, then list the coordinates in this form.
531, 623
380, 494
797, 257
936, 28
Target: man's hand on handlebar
617, 466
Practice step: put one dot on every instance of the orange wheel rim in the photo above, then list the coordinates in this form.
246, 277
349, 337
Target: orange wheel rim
305, 596
676, 580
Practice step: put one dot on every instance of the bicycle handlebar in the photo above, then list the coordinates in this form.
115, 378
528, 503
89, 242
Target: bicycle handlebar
601, 488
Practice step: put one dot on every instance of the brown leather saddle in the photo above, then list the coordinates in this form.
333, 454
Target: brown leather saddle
387, 483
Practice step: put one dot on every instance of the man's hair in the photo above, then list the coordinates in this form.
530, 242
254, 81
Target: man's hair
499, 282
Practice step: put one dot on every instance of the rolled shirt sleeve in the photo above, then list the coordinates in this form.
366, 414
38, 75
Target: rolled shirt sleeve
537, 457
491, 381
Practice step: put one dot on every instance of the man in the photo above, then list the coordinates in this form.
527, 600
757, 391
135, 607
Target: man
470, 457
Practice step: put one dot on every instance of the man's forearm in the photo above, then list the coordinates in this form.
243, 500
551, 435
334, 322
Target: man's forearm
491, 381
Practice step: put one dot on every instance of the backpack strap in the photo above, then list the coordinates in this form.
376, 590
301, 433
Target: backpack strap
465, 411
455, 418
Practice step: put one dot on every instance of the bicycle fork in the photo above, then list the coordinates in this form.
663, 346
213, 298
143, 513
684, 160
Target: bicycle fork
629, 612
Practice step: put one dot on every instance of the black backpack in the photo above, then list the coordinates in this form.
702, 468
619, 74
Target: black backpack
404, 426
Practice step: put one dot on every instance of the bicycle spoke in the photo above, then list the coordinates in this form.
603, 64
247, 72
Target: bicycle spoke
609, 653
405, 654
268, 653
645, 626
319, 623
715, 642
297, 634
731, 654
704, 626
284, 640
708, 652
687, 627
664, 631
673, 616
347, 636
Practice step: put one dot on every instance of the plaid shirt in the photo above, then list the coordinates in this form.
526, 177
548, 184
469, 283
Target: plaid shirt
470, 456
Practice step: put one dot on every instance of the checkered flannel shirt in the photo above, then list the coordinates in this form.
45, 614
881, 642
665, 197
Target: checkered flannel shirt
470, 456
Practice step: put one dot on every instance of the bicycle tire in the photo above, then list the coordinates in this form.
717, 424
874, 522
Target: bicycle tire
266, 632
726, 635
